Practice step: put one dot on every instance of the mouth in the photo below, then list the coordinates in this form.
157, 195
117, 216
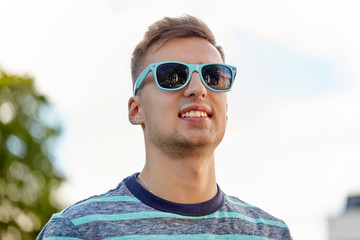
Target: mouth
195, 112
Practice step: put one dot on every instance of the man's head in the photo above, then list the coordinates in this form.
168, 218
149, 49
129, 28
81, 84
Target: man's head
165, 30
190, 121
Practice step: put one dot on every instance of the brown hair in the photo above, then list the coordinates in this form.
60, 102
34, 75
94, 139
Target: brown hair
165, 30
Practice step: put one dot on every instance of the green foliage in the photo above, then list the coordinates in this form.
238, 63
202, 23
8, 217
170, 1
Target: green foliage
28, 179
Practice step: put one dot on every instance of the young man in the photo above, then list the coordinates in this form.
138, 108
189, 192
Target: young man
180, 84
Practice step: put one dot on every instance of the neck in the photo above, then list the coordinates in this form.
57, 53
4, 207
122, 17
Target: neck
190, 179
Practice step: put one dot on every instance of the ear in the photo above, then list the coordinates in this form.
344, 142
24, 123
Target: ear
135, 115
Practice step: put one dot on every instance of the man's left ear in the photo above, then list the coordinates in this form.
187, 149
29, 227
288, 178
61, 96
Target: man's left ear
135, 115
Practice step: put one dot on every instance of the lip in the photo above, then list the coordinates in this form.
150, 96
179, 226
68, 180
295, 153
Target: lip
196, 107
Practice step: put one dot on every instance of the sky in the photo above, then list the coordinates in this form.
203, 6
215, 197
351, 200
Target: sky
293, 134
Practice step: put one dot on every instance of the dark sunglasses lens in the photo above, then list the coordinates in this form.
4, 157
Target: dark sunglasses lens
172, 75
217, 77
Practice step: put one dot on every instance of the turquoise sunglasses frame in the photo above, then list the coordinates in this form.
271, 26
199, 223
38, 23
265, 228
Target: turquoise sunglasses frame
192, 67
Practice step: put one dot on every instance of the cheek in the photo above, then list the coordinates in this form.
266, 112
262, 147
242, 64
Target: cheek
158, 111
223, 105
225, 116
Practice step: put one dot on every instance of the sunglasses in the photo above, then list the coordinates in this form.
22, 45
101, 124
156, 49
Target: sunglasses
172, 76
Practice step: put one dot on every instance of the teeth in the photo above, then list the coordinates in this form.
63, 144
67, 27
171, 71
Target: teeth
194, 114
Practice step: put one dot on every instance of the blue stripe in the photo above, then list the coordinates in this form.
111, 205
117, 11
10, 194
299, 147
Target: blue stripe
109, 199
146, 215
124, 216
190, 236
62, 238
57, 215
238, 202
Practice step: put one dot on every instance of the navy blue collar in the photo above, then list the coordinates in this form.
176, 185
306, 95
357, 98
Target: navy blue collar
199, 209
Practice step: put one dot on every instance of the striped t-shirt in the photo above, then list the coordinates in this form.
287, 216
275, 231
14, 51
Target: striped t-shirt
131, 212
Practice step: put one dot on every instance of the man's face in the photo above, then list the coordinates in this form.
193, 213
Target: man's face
185, 121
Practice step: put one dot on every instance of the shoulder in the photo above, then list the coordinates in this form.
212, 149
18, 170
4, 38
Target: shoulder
256, 218
67, 222
100, 204
248, 209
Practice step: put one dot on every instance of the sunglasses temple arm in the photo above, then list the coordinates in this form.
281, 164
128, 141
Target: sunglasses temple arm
141, 79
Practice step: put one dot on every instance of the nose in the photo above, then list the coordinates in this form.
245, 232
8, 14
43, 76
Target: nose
195, 87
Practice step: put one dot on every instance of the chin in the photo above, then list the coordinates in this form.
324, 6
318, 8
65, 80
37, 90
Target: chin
200, 142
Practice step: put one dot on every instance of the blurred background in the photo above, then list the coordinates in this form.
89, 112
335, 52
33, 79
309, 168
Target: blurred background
293, 135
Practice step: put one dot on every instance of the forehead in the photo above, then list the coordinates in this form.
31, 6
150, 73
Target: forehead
188, 50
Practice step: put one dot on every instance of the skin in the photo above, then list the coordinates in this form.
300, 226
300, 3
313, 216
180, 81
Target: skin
179, 164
